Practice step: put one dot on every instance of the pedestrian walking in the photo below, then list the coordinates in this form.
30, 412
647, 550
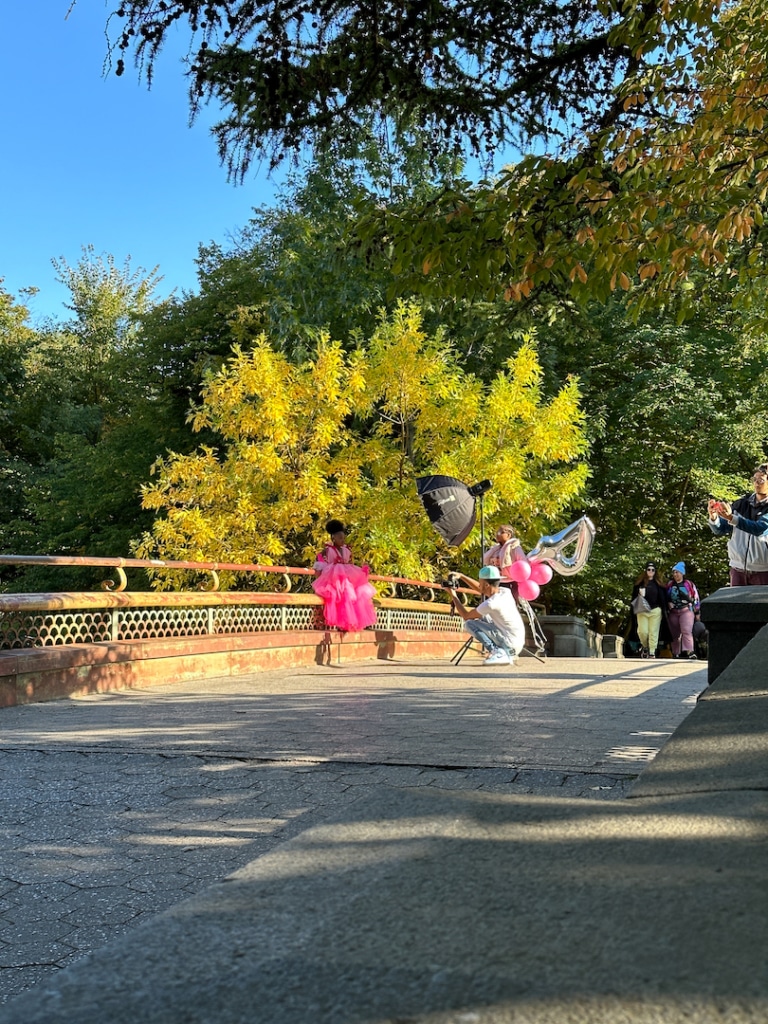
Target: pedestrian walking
682, 607
649, 605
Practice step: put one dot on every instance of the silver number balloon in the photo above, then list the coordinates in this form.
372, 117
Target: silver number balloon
579, 535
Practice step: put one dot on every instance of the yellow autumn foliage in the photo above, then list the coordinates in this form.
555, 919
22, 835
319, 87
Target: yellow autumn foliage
346, 436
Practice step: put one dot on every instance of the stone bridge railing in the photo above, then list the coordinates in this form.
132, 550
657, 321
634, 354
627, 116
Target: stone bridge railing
67, 643
114, 614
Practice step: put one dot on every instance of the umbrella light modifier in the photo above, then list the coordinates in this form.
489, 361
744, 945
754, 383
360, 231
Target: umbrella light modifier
450, 505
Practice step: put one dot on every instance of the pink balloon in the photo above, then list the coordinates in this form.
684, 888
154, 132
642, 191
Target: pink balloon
519, 571
528, 590
541, 573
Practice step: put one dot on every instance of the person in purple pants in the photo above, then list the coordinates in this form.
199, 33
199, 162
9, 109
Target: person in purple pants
682, 605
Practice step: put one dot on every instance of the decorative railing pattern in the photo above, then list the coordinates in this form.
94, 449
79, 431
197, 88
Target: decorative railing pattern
42, 628
55, 619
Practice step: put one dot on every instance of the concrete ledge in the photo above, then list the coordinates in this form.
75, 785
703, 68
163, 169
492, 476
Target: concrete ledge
733, 615
723, 743
746, 675
50, 673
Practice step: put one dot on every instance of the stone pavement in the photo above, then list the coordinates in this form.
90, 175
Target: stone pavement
116, 807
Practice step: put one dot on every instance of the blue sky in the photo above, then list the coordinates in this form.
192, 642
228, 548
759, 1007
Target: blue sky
102, 161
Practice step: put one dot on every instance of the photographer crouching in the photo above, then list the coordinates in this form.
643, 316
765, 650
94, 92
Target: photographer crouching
496, 621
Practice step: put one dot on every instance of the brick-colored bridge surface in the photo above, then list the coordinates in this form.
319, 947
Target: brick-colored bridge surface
114, 807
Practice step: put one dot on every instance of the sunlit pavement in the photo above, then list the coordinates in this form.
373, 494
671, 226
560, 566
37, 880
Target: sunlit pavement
116, 807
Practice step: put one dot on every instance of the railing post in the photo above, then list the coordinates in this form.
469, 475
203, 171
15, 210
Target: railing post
114, 624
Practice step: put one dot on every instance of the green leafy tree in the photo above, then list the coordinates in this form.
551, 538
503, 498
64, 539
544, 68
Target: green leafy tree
673, 416
89, 424
17, 444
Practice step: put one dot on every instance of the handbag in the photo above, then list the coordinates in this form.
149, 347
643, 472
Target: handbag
639, 604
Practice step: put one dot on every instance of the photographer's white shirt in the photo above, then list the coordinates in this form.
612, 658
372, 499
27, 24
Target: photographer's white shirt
501, 609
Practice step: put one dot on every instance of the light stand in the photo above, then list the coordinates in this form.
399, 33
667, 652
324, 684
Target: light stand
477, 491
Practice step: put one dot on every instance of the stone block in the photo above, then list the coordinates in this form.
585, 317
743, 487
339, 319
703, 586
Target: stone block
569, 637
612, 646
733, 616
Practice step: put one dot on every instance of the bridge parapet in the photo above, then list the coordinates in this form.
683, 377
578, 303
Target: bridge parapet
71, 643
50, 620
114, 614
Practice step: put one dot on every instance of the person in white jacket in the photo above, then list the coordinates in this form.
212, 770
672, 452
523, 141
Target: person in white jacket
745, 523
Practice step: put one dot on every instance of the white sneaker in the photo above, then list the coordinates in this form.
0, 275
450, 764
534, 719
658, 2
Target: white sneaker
498, 657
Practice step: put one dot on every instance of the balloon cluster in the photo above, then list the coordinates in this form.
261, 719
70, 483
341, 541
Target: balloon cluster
529, 575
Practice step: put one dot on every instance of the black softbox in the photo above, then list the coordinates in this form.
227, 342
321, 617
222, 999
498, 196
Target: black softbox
450, 506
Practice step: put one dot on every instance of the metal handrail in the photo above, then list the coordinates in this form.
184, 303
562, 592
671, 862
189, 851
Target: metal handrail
148, 563
213, 567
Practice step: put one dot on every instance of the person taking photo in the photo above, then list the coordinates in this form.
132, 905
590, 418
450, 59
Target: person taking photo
496, 621
745, 524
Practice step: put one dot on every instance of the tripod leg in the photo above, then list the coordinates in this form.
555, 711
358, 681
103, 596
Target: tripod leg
537, 633
456, 659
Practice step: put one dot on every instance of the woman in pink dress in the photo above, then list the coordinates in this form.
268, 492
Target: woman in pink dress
347, 595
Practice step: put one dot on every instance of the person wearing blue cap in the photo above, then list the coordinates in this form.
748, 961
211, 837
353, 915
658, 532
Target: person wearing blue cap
496, 622
682, 607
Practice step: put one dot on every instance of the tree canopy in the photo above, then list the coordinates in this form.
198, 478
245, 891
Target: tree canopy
639, 207
638, 124
478, 73
83, 419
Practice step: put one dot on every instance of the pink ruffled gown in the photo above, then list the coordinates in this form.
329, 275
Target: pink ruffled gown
347, 595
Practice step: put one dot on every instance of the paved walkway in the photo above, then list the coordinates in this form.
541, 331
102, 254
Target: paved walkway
115, 807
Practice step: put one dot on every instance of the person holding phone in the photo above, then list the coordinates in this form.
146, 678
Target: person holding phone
745, 524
